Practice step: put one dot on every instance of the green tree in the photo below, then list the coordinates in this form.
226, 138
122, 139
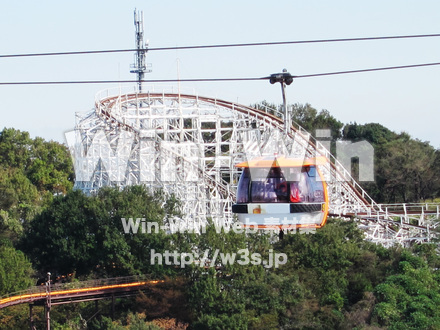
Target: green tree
32, 171
15, 270
270, 108
310, 119
86, 234
16, 317
15, 148
334, 269
59, 239
407, 170
48, 165
133, 322
374, 133
410, 298
19, 202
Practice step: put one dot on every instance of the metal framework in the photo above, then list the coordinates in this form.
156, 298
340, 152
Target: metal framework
187, 145
74, 292
140, 65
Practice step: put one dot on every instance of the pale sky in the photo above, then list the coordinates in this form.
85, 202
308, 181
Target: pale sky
402, 100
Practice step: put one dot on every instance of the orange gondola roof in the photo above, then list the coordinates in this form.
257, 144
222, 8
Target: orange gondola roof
282, 161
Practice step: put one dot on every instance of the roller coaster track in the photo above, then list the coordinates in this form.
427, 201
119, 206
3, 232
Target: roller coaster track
102, 107
169, 113
78, 291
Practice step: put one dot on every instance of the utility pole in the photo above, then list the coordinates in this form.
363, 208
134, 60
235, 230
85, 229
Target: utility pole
48, 302
31, 317
284, 78
140, 66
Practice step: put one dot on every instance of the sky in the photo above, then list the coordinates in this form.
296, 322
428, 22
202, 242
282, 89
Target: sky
402, 100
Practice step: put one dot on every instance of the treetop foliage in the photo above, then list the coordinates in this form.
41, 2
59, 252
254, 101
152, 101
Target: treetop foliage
32, 171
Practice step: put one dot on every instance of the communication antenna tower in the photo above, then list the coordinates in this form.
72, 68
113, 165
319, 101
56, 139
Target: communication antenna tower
140, 66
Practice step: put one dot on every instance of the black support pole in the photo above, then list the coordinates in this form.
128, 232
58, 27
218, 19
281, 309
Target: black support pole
31, 317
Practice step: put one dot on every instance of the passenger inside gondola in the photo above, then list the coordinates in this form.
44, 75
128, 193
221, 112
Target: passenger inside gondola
282, 191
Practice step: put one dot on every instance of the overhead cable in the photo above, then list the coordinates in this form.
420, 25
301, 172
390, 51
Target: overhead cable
221, 45
366, 70
214, 79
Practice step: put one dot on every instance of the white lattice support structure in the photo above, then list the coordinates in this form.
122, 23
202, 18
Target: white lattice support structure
187, 145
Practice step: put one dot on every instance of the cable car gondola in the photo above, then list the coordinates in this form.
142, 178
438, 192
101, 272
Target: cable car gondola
280, 192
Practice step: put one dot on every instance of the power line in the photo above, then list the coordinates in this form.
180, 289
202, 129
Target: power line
222, 45
125, 81
70, 53
214, 79
297, 42
367, 70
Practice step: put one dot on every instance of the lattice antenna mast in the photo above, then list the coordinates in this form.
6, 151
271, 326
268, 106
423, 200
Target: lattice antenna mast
140, 66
